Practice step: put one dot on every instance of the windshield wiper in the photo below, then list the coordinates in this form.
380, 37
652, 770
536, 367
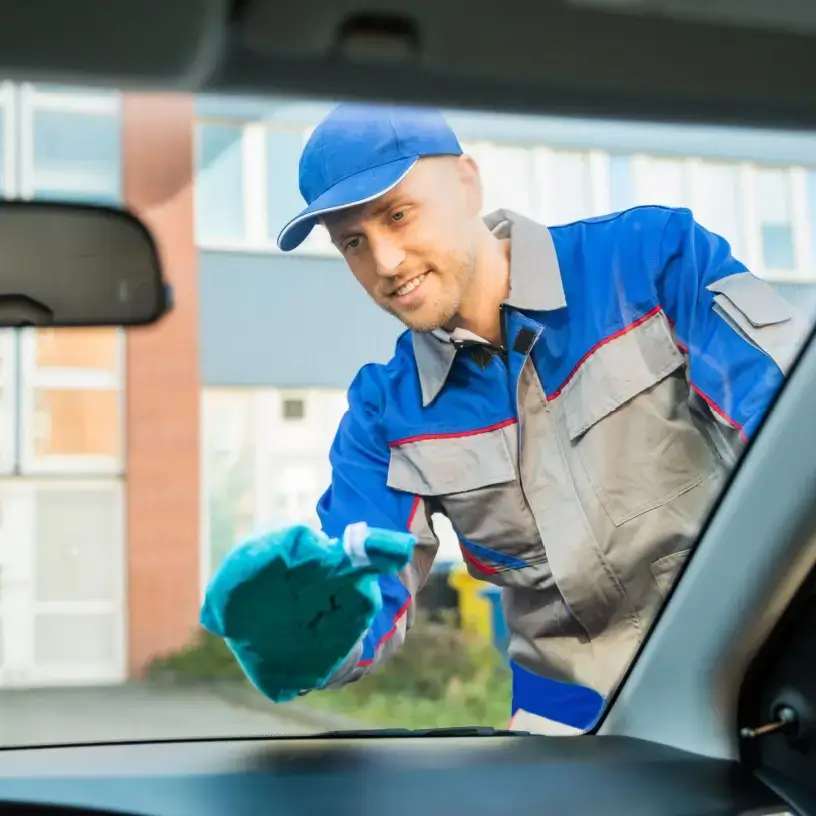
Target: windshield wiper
458, 731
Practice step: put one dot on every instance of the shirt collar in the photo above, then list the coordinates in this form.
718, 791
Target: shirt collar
458, 336
535, 284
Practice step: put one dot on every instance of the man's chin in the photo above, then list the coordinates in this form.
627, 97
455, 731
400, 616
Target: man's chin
424, 321
422, 326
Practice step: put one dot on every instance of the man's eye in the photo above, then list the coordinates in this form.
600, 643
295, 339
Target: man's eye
398, 216
352, 243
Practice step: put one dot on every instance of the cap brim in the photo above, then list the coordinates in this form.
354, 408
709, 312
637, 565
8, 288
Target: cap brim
350, 192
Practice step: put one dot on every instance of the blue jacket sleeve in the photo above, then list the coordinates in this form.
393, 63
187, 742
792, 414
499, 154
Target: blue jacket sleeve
739, 334
359, 458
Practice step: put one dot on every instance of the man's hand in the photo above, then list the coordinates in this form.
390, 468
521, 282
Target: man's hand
293, 604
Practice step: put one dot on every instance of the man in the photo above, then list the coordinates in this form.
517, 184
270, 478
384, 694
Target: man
570, 398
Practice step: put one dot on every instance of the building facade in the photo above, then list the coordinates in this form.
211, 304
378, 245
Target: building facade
131, 461
99, 435
270, 377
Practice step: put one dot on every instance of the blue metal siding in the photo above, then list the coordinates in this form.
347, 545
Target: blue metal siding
287, 322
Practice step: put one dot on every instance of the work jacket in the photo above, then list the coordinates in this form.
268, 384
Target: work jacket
577, 463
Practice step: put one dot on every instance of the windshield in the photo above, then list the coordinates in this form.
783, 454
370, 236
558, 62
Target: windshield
441, 407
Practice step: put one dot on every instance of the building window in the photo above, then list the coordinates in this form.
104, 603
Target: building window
228, 449
661, 182
219, 183
71, 401
775, 215
717, 203
261, 470
71, 146
571, 182
61, 414
284, 202
72, 568
507, 174
60, 390
621, 183
65, 545
76, 349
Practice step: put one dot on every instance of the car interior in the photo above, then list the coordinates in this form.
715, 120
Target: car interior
717, 715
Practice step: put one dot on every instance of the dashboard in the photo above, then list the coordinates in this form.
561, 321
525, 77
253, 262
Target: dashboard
375, 775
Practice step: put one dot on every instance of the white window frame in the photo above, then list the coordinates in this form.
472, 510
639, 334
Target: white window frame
642, 164
481, 149
206, 565
9, 383
33, 377
600, 181
265, 421
32, 99
751, 252
255, 184
10, 153
8, 346
93, 102
221, 244
73, 100
597, 165
268, 403
256, 237
21, 670
16, 593
543, 191
797, 178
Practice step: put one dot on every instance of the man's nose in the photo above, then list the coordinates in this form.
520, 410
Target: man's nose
388, 256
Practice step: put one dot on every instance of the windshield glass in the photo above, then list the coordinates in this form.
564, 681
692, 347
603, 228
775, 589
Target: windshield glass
441, 407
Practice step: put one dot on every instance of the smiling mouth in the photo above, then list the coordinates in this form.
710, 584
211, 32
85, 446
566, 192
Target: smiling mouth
412, 284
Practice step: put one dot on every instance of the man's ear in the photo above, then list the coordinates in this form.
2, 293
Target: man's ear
471, 180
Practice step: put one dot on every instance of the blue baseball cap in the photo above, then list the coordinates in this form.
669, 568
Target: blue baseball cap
360, 152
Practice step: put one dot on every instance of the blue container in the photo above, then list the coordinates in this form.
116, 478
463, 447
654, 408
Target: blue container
501, 637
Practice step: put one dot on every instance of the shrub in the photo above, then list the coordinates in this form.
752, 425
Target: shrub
207, 658
435, 657
440, 676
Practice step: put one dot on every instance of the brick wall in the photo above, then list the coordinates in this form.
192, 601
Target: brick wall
163, 394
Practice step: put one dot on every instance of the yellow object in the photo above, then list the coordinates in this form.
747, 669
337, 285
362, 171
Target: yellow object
475, 612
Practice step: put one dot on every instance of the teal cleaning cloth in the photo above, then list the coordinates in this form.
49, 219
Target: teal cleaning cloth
293, 604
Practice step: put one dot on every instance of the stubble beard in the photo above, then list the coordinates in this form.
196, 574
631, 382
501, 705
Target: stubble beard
442, 311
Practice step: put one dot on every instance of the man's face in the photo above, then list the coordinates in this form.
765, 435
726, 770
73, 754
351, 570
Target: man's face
414, 249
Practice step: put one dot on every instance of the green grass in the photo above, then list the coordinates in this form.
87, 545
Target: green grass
440, 677
389, 711
462, 705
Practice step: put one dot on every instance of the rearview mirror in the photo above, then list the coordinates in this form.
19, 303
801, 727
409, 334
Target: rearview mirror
77, 265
